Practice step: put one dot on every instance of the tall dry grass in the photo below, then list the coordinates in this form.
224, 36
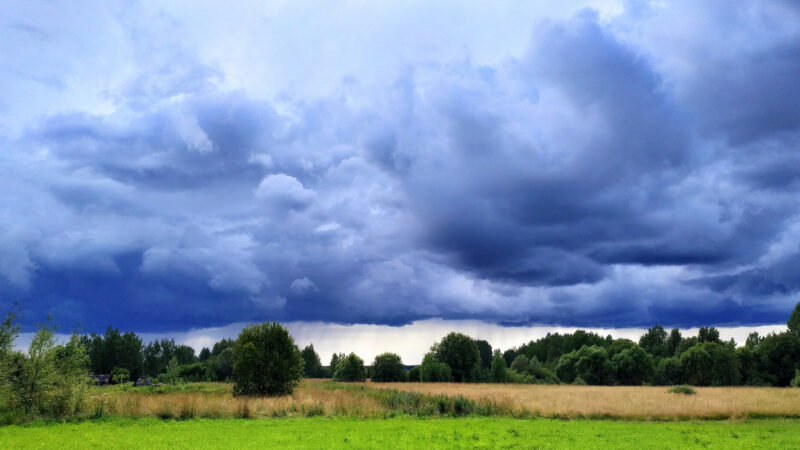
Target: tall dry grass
630, 402
312, 398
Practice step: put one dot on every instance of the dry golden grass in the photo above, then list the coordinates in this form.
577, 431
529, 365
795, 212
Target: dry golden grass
619, 401
310, 399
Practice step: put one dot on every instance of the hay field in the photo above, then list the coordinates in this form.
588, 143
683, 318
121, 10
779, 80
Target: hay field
629, 402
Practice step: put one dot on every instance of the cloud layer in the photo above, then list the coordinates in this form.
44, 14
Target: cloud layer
615, 166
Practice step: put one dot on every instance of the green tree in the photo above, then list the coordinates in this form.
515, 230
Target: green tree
432, 370
388, 367
708, 335
779, 357
335, 358
697, 365
541, 373
794, 321
497, 373
205, 354
350, 369
38, 377
520, 364
633, 366
594, 366
566, 368
120, 375
673, 341
9, 330
669, 371
266, 361
313, 366
460, 353
413, 374
485, 350
654, 341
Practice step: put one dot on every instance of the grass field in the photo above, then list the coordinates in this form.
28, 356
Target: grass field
402, 432
380, 400
624, 402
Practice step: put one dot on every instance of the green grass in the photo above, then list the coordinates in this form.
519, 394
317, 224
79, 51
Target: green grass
402, 432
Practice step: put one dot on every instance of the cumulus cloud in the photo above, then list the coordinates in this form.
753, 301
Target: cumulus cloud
612, 166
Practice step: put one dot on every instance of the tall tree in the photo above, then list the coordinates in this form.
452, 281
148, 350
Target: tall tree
460, 352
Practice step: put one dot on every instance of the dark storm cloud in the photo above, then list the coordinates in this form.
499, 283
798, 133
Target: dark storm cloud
606, 176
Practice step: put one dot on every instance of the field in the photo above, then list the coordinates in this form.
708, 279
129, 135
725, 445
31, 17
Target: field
323, 414
402, 432
377, 400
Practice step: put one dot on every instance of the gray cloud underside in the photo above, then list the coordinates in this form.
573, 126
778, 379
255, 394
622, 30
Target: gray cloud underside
619, 171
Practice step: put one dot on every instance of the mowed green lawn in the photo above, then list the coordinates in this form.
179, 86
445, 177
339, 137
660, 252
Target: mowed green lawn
402, 433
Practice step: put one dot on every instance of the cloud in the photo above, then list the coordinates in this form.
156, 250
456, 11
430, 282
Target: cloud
607, 167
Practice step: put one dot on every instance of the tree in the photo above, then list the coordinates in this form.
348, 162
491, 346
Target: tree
388, 367
697, 365
669, 371
752, 341
633, 366
220, 366
266, 361
520, 364
9, 330
38, 377
313, 366
654, 341
432, 370
619, 345
205, 354
541, 373
594, 366
413, 374
673, 341
779, 357
120, 375
566, 367
485, 351
497, 374
350, 369
708, 335
460, 353
335, 358
794, 321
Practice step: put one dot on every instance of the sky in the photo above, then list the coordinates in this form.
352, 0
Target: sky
169, 167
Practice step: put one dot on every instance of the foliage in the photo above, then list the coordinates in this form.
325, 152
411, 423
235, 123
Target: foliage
335, 358
266, 361
682, 389
668, 371
433, 370
485, 351
654, 341
590, 363
205, 354
794, 321
795, 383
120, 375
388, 367
460, 353
497, 374
633, 366
541, 373
350, 369
115, 350
520, 364
779, 357
158, 354
313, 366
9, 330
413, 374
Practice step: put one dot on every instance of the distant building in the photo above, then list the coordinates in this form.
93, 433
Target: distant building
144, 381
101, 379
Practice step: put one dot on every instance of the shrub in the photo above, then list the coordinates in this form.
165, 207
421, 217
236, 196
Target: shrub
579, 381
433, 370
388, 367
796, 380
350, 369
266, 361
413, 374
120, 375
682, 389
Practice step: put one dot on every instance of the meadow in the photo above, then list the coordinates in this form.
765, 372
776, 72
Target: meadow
402, 432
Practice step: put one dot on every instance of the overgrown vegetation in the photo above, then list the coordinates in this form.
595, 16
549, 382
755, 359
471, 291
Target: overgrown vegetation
683, 389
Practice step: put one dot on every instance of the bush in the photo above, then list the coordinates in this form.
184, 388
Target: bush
388, 367
266, 361
433, 370
682, 389
350, 369
413, 374
120, 375
520, 364
796, 380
